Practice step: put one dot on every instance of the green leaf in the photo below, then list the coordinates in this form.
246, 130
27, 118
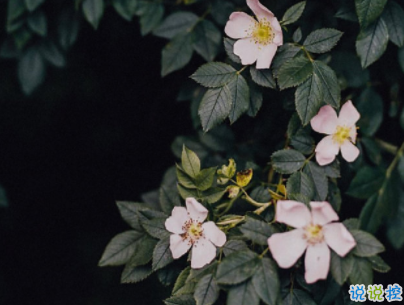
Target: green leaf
206, 291
207, 40
167, 275
366, 244
32, 5
369, 10
190, 162
221, 11
237, 267
362, 272
334, 196
15, 9
257, 231
263, 77
162, 254
322, 40
266, 281
38, 23
215, 107
309, 98
186, 299
298, 297
300, 183
132, 275
370, 106
128, 211
125, 8
184, 179
367, 182
332, 170
294, 125
185, 193
240, 93
215, 74
176, 23
120, 249
303, 142
297, 35
155, 227
293, 13
31, 70
351, 224
284, 53
213, 195
228, 47
256, 99
393, 16
93, 11
151, 14
294, 72
143, 251
51, 53
317, 175
341, 267
181, 280
220, 139
232, 246
372, 42
205, 178
176, 54
21, 38
328, 82
169, 199
287, 161
68, 28
373, 150
243, 294
379, 264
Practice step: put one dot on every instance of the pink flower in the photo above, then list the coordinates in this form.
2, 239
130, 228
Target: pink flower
341, 133
314, 232
258, 40
190, 231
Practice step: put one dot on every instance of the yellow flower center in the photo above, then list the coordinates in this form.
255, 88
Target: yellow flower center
314, 234
341, 134
262, 32
193, 230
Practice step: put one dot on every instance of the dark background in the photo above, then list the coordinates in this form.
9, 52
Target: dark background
96, 131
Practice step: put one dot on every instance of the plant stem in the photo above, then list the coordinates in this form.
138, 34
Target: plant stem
390, 148
393, 164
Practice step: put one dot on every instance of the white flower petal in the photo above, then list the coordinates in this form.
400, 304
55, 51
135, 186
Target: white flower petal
292, 213
178, 246
239, 25
196, 210
348, 115
326, 150
203, 252
214, 234
286, 248
278, 40
317, 262
259, 10
322, 212
338, 238
349, 151
175, 222
265, 56
325, 121
247, 50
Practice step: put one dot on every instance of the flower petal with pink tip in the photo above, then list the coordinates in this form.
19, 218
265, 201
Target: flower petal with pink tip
238, 25
202, 253
326, 150
286, 248
348, 115
349, 151
259, 10
265, 56
247, 50
322, 213
317, 262
178, 245
324, 160
214, 234
338, 238
196, 210
175, 223
325, 121
292, 213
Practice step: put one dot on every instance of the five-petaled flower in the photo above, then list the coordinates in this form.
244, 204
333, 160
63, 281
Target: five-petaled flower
314, 232
190, 231
341, 131
258, 40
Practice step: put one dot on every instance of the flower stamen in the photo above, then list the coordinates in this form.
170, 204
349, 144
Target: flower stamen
314, 234
342, 133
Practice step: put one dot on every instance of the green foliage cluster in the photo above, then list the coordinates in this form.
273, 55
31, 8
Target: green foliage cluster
331, 53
